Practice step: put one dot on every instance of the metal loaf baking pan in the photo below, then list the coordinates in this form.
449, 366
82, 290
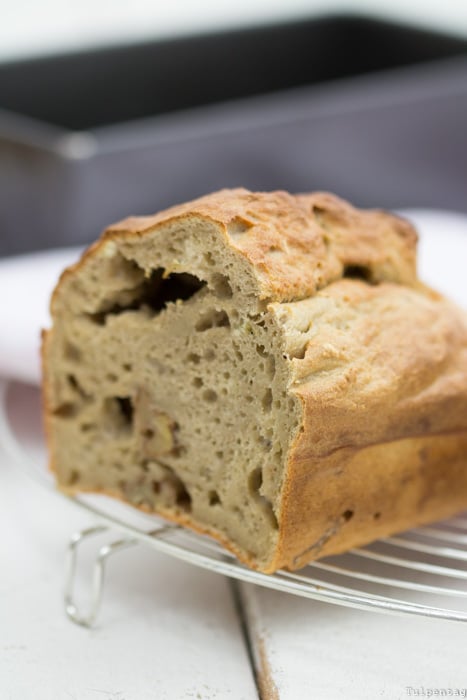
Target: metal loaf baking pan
372, 110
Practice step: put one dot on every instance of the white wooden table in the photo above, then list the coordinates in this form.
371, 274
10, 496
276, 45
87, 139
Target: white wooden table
170, 630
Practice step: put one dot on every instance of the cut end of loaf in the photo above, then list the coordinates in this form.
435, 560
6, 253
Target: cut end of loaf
167, 386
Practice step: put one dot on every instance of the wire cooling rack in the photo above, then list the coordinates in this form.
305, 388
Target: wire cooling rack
420, 572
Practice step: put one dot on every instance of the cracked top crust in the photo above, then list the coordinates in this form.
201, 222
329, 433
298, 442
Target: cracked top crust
296, 244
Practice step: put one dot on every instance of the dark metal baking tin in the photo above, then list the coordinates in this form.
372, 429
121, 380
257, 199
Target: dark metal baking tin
374, 111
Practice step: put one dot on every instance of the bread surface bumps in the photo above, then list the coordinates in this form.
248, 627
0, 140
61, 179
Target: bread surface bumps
264, 368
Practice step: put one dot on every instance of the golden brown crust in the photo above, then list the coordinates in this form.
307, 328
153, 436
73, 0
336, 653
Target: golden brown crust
399, 370
356, 495
384, 416
295, 244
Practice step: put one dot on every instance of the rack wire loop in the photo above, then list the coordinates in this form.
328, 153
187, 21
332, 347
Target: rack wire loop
88, 619
422, 572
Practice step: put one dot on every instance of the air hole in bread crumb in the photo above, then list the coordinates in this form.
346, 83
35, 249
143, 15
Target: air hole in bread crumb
214, 498
66, 410
74, 477
347, 515
193, 357
357, 272
266, 401
208, 258
197, 382
210, 395
183, 499
72, 352
100, 317
265, 443
221, 286
212, 319
160, 290
76, 386
255, 481
377, 516
153, 293
117, 414
261, 350
126, 408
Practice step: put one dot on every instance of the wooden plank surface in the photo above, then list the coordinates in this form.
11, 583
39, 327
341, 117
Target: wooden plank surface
167, 629
317, 651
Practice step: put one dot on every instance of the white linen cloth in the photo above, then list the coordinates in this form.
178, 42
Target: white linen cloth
26, 283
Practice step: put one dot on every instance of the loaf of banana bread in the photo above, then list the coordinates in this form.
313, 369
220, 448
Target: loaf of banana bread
263, 368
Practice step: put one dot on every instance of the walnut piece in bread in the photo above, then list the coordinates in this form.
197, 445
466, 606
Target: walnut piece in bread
264, 368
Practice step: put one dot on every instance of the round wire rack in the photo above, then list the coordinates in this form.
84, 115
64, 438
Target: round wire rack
420, 572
